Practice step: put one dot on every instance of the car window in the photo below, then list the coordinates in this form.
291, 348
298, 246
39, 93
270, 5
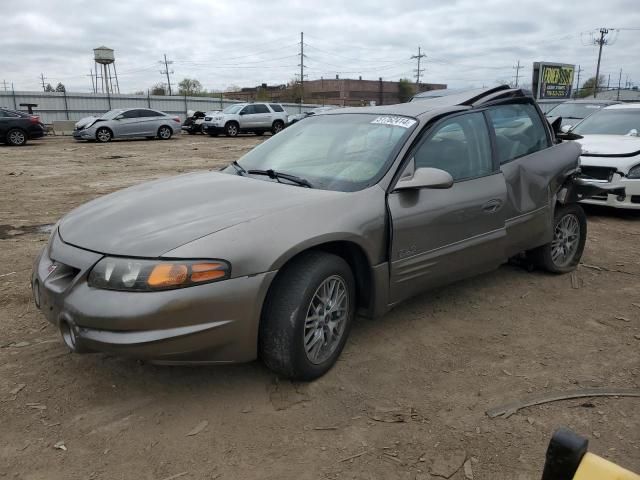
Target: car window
232, 109
276, 108
5, 114
460, 146
260, 108
616, 121
519, 130
575, 111
132, 114
248, 110
149, 113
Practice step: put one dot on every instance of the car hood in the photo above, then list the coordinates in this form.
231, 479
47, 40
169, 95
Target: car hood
153, 218
618, 151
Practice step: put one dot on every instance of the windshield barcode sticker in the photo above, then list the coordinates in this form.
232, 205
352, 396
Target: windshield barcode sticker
403, 122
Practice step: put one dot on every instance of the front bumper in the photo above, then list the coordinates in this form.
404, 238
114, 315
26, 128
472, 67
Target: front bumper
212, 128
212, 323
631, 199
84, 134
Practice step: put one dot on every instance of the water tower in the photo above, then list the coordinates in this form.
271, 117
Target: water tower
106, 73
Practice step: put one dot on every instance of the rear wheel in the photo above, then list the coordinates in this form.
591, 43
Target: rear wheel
307, 316
104, 135
563, 253
164, 133
231, 129
277, 127
16, 137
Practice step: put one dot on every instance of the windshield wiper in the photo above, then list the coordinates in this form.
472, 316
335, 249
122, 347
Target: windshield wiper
278, 175
239, 168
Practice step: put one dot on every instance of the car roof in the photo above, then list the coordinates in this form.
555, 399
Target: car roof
425, 105
623, 106
593, 101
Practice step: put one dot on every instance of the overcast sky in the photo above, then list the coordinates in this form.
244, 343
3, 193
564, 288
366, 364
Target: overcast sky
246, 43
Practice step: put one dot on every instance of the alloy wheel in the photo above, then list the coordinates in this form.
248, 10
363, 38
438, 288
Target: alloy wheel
17, 137
165, 133
566, 237
104, 135
326, 319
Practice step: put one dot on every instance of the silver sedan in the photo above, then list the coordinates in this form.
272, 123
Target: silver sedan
127, 123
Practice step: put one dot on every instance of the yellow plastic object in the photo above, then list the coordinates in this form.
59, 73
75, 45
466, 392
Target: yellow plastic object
593, 467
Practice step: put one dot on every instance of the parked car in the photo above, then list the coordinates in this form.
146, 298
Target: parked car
573, 111
127, 123
16, 127
546, 105
314, 111
247, 117
356, 209
610, 142
193, 122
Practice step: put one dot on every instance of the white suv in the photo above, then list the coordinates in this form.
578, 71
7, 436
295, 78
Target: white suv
246, 117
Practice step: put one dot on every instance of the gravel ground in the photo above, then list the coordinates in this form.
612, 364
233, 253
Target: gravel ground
407, 399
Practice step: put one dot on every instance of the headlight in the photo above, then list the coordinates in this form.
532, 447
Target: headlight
634, 172
139, 275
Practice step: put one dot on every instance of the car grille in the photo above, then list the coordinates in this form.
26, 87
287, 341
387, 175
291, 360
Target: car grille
207, 119
597, 173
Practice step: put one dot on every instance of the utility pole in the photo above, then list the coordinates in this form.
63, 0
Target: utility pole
575, 94
600, 42
4, 84
166, 71
608, 81
517, 69
419, 70
301, 70
93, 84
43, 78
619, 81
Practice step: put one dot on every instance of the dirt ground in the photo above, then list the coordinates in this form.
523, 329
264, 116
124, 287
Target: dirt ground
407, 399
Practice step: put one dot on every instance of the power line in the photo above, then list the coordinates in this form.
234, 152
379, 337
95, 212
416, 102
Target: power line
166, 71
419, 56
517, 69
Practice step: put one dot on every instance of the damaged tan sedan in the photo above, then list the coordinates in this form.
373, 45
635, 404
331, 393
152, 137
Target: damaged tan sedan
350, 211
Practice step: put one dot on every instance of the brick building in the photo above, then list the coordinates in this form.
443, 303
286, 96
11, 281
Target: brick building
338, 91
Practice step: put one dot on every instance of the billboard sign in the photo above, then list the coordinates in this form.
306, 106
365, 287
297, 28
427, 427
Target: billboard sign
552, 81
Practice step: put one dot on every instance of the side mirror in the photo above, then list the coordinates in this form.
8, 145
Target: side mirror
119, 117
633, 133
426, 177
566, 128
242, 112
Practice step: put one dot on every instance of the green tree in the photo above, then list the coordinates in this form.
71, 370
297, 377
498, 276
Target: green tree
405, 90
189, 86
158, 89
587, 88
60, 87
49, 88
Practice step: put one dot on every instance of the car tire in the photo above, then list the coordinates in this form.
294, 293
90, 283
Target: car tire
277, 127
164, 133
191, 132
104, 135
16, 137
563, 253
231, 129
291, 342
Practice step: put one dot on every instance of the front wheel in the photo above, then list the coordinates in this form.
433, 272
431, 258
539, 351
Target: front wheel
231, 129
164, 133
563, 253
277, 127
103, 135
307, 316
16, 137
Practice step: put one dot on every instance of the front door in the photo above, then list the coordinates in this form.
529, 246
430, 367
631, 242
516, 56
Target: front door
441, 235
128, 124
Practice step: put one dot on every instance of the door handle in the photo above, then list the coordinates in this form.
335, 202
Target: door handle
492, 206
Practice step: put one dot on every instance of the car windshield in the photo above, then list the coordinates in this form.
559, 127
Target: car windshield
333, 152
111, 114
233, 109
574, 110
547, 106
611, 122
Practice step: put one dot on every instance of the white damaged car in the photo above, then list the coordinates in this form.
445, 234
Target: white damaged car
610, 141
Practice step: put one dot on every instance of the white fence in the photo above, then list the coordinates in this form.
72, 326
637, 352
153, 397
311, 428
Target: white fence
74, 106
